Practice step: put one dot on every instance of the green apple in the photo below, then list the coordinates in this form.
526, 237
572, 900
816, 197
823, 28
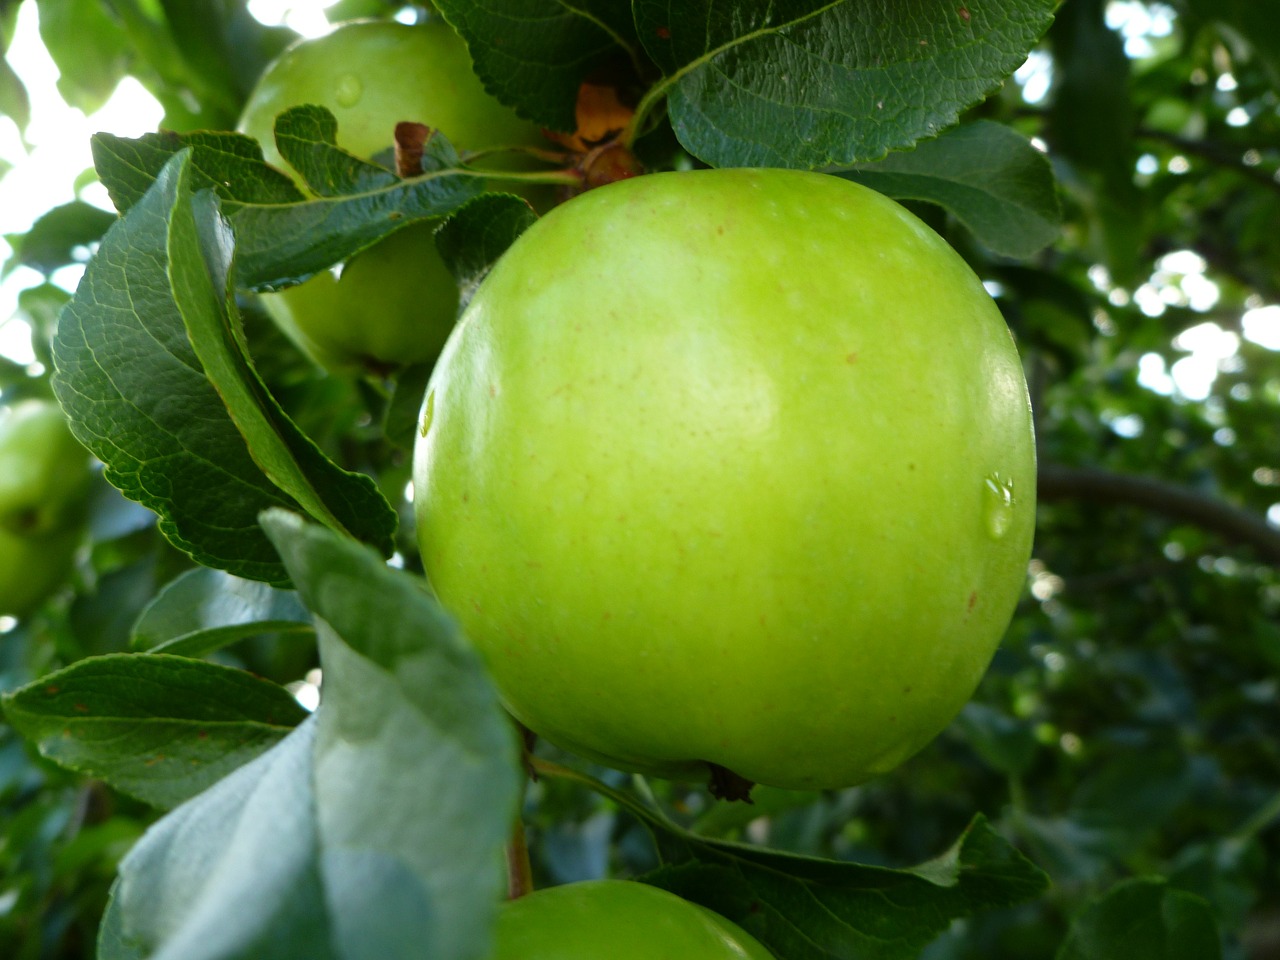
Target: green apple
32, 567
44, 478
620, 920
394, 303
730, 468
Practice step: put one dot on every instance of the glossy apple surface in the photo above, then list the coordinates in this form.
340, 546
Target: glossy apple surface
395, 302
730, 467
44, 476
619, 920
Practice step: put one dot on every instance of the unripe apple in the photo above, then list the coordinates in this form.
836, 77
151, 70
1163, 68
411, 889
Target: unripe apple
620, 920
394, 303
730, 468
44, 478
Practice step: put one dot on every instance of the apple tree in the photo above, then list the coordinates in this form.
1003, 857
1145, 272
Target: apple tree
552, 481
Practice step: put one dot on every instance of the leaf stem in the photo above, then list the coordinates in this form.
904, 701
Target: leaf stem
652, 97
565, 178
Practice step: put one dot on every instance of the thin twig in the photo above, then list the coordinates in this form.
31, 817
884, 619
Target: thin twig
1101, 486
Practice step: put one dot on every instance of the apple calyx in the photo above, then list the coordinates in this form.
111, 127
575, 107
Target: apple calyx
608, 163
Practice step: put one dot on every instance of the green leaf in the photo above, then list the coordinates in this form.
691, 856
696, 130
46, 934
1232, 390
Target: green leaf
14, 102
471, 241
204, 610
412, 748
52, 240
986, 175
233, 874
1144, 919
231, 163
811, 83
805, 908
138, 396
90, 48
375, 830
307, 137
534, 54
280, 239
200, 273
160, 728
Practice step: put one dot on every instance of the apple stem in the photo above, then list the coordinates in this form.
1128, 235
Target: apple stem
519, 868
724, 784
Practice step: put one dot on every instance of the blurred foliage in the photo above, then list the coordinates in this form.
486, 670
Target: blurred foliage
1128, 726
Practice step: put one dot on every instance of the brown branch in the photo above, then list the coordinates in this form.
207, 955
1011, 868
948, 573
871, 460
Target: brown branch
1216, 153
1179, 503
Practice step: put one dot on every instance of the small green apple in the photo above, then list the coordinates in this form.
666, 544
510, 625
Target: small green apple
394, 303
620, 920
44, 478
32, 567
730, 468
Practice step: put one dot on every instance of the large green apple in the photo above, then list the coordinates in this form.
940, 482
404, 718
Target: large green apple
730, 467
44, 477
620, 920
394, 303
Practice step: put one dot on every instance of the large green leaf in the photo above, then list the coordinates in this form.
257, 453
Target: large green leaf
204, 610
280, 238
805, 908
375, 831
810, 83
797, 83
159, 727
986, 175
138, 393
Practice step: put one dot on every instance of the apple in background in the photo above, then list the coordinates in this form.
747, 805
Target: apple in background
44, 481
730, 470
618, 919
394, 303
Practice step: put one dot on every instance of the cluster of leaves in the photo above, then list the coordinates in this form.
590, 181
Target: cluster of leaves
1120, 740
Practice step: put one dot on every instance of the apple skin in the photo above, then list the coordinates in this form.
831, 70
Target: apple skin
618, 919
44, 480
730, 467
395, 302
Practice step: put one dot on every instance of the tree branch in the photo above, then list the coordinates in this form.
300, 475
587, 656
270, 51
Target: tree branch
1216, 153
1232, 523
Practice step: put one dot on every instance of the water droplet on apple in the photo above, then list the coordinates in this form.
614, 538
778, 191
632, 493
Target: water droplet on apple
428, 413
349, 90
999, 503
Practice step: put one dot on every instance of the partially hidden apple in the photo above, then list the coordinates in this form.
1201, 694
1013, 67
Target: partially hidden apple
618, 919
44, 479
394, 303
730, 470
